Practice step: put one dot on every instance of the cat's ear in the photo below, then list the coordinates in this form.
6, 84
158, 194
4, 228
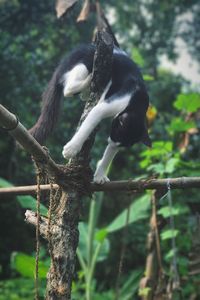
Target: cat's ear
146, 139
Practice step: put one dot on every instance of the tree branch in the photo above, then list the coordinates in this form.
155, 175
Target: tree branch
123, 185
26, 190
10, 123
63, 251
149, 184
31, 218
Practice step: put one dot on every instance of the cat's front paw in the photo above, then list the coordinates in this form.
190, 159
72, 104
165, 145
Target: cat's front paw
100, 174
71, 149
100, 179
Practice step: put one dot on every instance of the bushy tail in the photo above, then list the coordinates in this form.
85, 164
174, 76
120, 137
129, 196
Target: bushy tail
51, 101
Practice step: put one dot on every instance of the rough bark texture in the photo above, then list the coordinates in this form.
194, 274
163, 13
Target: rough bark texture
149, 184
64, 243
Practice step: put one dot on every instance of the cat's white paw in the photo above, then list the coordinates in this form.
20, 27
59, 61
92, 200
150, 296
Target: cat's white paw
71, 149
100, 178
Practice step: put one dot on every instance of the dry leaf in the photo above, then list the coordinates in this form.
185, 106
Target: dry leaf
84, 12
185, 139
151, 114
62, 6
193, 131
183, 145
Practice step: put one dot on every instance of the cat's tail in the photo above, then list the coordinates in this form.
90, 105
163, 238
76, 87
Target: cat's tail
51, 100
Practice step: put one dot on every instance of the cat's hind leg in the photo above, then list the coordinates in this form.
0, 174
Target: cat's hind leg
76, 80
100, 175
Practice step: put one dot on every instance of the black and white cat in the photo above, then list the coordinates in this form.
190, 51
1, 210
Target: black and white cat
125, 99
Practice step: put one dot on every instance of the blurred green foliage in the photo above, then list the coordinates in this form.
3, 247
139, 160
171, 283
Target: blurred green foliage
32, 43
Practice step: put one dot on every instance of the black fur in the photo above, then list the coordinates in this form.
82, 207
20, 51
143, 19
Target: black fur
129, 126
51, 98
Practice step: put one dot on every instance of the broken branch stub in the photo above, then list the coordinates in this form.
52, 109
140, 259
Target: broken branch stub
84, 14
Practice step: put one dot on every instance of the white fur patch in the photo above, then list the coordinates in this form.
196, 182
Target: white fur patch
71, 149
102, 166
101, 111
105, 91
76, 80
115, 106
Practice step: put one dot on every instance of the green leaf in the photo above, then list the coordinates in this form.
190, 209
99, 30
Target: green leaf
131, 284
4, 183
25, 265
104, 251
137, 57
138, 210
169, 233
147, 77
176, 210
83, 236
188, 102
159, 148
180, 125
101, 235
183, 264
144, 291
100, 238
167, 167
160, 151
28, 202
171, 165
158, 168
170, 254
19, 289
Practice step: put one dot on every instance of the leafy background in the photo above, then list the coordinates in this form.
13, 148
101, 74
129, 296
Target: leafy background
32, 43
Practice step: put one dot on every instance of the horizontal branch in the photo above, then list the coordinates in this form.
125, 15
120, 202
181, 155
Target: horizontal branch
26, 190
148, 184
124, 185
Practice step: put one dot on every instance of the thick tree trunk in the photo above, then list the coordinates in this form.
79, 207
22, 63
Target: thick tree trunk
64, 241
